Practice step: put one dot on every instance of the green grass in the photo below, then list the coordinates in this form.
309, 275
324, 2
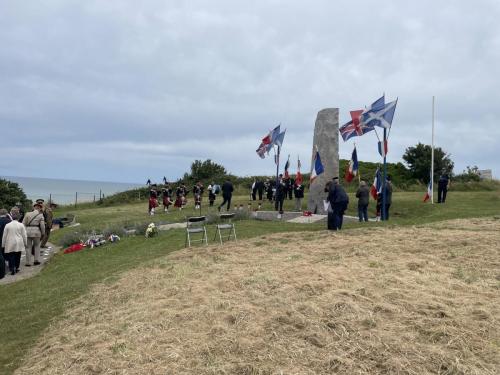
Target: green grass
29, 306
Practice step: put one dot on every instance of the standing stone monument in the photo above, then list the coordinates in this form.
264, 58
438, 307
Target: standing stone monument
326, 139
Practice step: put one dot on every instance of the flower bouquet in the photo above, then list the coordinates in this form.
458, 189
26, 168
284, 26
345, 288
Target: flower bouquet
151, 230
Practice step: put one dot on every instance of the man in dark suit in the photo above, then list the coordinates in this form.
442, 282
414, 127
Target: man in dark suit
227, 193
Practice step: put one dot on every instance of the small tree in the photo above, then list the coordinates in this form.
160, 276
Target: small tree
471, 174
10, 194
207, 170
418, 159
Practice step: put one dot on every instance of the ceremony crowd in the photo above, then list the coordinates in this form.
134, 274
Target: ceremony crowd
22, 232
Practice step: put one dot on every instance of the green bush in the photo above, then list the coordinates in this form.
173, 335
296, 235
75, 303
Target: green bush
71, 238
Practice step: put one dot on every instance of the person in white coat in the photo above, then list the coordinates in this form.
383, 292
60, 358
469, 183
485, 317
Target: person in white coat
14, 240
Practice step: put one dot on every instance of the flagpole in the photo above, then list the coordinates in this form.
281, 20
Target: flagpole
277, 172
384, 212
432, 154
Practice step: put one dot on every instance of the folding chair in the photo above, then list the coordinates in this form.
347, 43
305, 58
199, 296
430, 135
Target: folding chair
196, 224
226, 225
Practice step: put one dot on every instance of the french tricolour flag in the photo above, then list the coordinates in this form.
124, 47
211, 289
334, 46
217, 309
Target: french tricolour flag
377, 185
352, 169
428, 194
317, 167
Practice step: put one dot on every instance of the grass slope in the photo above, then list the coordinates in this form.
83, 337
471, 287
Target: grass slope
28, 307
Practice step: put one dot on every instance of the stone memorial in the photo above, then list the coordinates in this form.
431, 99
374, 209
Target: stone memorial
326, 140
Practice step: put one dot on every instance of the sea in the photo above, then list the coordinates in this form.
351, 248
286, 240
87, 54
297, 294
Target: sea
67, 191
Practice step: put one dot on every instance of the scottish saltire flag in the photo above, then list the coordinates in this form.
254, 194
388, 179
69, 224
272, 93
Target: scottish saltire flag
279, 139
380, 117
352, 169
376, 187
428, 194
355, 127
382, 150
317, 167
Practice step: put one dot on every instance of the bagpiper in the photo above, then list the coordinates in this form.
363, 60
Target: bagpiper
153, 199
167, 197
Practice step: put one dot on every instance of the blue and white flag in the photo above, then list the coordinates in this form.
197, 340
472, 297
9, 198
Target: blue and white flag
380, 117
317, 167
279, 139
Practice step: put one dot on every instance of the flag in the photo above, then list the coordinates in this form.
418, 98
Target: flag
428, 194
298, 176
355, 127
279, 139
317, 167
352, 169
380, 117
382, 151
269, 139
287, 165
376, 187
268, 142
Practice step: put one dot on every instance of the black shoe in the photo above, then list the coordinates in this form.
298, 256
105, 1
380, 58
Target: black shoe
13, 273
37, 263
28, 265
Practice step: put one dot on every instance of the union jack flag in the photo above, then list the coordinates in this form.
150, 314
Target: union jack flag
355, 127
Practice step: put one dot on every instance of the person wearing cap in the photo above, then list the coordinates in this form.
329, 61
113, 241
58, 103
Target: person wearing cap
338, 201
48, 217
35, 230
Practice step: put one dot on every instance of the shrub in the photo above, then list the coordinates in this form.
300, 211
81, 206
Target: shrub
114, 229
71, 238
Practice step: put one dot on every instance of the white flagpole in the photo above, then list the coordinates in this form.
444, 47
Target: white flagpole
432, 154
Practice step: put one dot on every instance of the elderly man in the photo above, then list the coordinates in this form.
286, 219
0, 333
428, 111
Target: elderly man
338, 201
35, 230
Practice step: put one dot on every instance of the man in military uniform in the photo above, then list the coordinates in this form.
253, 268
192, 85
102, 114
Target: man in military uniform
35, 230
47, 216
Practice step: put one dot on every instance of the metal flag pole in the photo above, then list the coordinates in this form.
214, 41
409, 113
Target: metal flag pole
384, 189
432, 154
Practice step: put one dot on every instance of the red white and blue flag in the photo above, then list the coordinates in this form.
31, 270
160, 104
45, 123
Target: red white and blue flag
317, 167
268, 141
355, 127
382, 150
352, 169
298, 176
428, 194
376, 187
287, 165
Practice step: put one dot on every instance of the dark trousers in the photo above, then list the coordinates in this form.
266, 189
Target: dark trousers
226, 199
290, 191
260, 194
386, 217
363, 212
278, 204
336, 217
254, 195
14, 260
45, 237
442, 190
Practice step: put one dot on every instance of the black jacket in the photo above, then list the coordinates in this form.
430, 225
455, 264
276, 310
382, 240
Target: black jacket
227, 189
298, 191
337, 194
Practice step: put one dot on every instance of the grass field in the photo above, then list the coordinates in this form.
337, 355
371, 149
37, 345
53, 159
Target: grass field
30, 306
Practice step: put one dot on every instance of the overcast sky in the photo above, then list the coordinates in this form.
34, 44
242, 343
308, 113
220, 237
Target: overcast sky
121, 90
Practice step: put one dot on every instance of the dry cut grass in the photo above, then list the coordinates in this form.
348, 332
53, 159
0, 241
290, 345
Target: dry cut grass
374, 301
